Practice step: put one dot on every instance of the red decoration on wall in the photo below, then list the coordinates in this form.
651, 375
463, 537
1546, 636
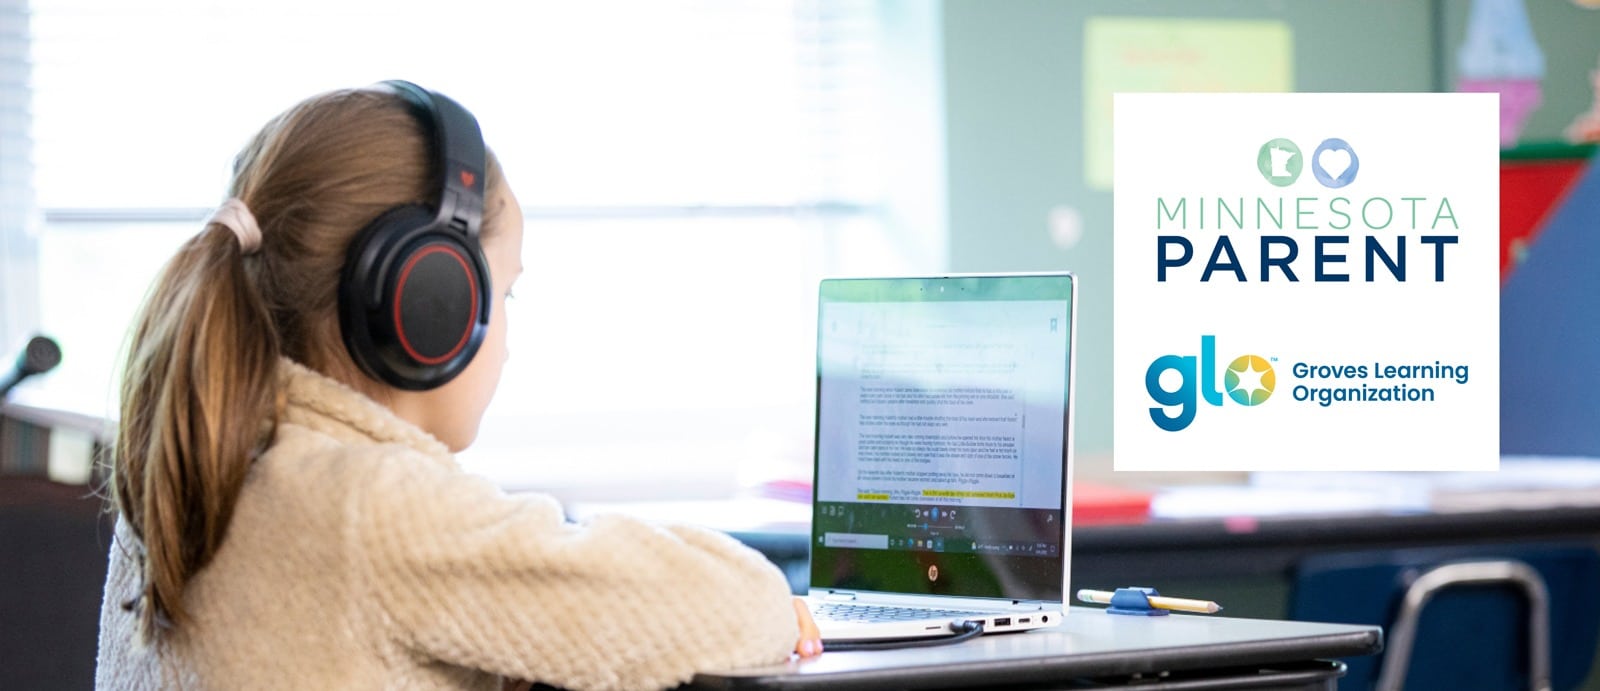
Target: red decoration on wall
1529, 190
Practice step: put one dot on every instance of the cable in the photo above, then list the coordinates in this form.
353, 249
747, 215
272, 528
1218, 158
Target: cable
966, 629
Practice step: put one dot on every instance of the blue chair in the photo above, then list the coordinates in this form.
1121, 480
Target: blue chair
1494, 617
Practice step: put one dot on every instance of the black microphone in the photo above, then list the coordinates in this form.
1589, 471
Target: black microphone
41, 355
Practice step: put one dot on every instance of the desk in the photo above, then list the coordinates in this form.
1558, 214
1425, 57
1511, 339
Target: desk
1219, 549
1229, 548
1161, 552
1090, 648
1249, 564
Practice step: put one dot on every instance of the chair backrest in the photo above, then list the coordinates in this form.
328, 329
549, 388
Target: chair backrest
1468, 636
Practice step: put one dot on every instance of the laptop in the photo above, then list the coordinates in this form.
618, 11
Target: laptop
943, 454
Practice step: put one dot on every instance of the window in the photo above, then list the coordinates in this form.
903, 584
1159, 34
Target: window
687, 171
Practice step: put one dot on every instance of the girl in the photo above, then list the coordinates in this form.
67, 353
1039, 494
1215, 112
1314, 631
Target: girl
289, 511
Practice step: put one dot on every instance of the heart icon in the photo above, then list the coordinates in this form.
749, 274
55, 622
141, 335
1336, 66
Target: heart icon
1334, 161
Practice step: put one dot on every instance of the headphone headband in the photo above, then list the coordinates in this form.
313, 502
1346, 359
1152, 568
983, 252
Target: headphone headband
459, 143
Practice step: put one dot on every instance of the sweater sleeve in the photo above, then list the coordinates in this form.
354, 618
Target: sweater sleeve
470, 576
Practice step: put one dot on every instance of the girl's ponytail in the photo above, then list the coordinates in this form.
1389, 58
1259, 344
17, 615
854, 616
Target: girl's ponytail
199, 402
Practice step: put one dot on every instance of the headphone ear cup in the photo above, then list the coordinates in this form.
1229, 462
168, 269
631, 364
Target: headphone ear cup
414, 300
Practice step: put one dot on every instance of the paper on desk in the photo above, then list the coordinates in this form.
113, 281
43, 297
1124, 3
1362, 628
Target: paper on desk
1223, 501
1521, 482
744, 514
1516, 473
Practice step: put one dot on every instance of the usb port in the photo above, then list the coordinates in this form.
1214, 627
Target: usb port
1024, 620
1003, 621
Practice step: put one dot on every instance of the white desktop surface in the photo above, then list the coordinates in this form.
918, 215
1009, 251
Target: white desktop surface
1095, 643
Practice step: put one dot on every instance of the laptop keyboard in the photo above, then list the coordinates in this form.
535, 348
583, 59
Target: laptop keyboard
839, 611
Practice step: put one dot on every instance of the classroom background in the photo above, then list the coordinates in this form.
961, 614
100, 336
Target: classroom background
688, 171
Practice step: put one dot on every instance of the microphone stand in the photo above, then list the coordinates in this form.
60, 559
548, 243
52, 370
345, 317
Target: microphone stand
41, 355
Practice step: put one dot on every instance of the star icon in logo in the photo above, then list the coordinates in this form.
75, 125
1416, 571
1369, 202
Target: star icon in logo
1250, 380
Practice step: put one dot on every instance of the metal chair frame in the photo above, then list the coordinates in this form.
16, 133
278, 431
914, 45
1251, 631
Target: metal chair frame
1403, 635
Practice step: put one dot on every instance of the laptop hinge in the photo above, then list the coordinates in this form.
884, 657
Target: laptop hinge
838, 597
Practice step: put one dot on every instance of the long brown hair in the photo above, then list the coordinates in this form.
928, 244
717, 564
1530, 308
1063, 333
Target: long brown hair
200, 389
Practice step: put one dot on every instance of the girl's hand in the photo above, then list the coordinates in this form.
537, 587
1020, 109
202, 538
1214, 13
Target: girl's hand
810, 642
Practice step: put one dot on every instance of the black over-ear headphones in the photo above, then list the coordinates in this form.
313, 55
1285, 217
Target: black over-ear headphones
414, 295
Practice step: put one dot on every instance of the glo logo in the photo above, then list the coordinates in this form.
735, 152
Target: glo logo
1248, 380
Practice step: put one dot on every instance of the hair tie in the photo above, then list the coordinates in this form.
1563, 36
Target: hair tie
237, 217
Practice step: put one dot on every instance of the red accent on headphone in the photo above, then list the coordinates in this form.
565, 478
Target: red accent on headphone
399, 290
467, 178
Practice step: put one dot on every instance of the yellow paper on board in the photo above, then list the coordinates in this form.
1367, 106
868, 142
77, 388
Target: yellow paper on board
1132, 54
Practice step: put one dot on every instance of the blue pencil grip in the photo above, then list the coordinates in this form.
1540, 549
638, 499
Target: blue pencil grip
1134, 602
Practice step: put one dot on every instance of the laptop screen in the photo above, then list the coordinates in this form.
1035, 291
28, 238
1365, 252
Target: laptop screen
942, 435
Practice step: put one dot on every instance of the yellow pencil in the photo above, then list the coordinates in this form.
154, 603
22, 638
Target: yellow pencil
1177, 604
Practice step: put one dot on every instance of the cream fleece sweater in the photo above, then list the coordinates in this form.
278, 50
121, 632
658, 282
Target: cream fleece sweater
360, 556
